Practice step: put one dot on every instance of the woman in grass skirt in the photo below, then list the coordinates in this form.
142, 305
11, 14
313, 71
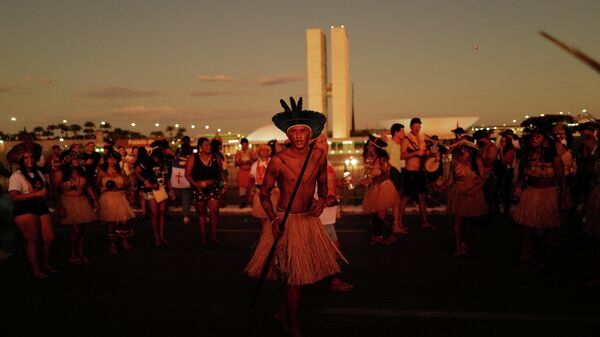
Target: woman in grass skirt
114, 207
540, 194
75, 209
465, 197
381, 194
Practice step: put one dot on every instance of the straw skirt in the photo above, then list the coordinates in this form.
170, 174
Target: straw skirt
114, 207
537, 208
77, 210
380, 197
466, 205
304, 253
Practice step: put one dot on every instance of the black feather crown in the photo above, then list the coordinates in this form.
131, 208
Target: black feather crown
296, 116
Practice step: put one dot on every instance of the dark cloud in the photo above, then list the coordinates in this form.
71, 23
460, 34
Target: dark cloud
119, 92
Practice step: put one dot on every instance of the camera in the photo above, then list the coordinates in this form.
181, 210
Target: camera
111, 185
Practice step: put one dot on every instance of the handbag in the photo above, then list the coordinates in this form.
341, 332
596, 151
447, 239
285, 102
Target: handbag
160, 194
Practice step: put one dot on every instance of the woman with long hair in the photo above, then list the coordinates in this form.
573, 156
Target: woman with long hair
465, 197
204, 171
154, 177
540, 194
27, 189
381, 194
74, 207
114, 208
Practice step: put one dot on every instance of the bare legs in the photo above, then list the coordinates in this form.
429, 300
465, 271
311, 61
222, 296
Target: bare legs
287, 314
30, 226
157, 219
76, 240
460, 236
201, 209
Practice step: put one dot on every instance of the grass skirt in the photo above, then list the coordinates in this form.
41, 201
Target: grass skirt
304, 253
77, 210
466, 205
380, 197
592, 212
257, 209
537, 208
114, 207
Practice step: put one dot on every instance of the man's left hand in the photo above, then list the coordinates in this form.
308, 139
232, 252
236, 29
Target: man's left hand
317, 207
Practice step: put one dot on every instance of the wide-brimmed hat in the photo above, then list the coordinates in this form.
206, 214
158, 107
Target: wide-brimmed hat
543, 132
294, 116
113, 154
589, 125
377, 142
461, 143
15, 154
481, 134
159, 144
459, 131
67, 157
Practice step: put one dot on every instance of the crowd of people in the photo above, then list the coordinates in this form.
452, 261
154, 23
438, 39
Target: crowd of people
541, 180
535, 180
76, 187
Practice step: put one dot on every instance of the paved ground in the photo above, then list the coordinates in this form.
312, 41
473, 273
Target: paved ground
413, 288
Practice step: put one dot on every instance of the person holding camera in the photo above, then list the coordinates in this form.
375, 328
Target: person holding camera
155, 179
74, 207
114, 207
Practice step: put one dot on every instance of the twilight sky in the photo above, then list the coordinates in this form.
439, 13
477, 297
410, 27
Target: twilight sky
227, 63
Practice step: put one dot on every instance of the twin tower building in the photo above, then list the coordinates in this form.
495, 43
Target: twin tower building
339, 117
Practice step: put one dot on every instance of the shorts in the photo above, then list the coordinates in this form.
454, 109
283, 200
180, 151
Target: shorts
210, 192
414, 184
396, 178
36, 206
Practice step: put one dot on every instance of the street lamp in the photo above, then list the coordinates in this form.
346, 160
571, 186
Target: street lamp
13, 119
193, 126
156, 124
176, 125
65, 121
133, 124
206, 127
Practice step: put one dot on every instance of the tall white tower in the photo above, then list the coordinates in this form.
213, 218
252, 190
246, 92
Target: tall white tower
340, 117
316, 65
340, 83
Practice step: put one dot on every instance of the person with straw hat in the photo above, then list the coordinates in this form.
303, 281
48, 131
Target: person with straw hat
465, 197
28, 191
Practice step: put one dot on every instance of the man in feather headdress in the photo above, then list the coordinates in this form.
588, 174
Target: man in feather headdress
304, 253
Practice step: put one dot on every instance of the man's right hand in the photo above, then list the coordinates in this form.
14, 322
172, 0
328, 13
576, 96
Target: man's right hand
275, 227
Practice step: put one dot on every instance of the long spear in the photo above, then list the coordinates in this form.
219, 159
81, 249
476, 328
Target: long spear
575, 52
266, 266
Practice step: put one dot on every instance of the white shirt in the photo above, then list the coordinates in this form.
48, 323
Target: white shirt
18, 182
